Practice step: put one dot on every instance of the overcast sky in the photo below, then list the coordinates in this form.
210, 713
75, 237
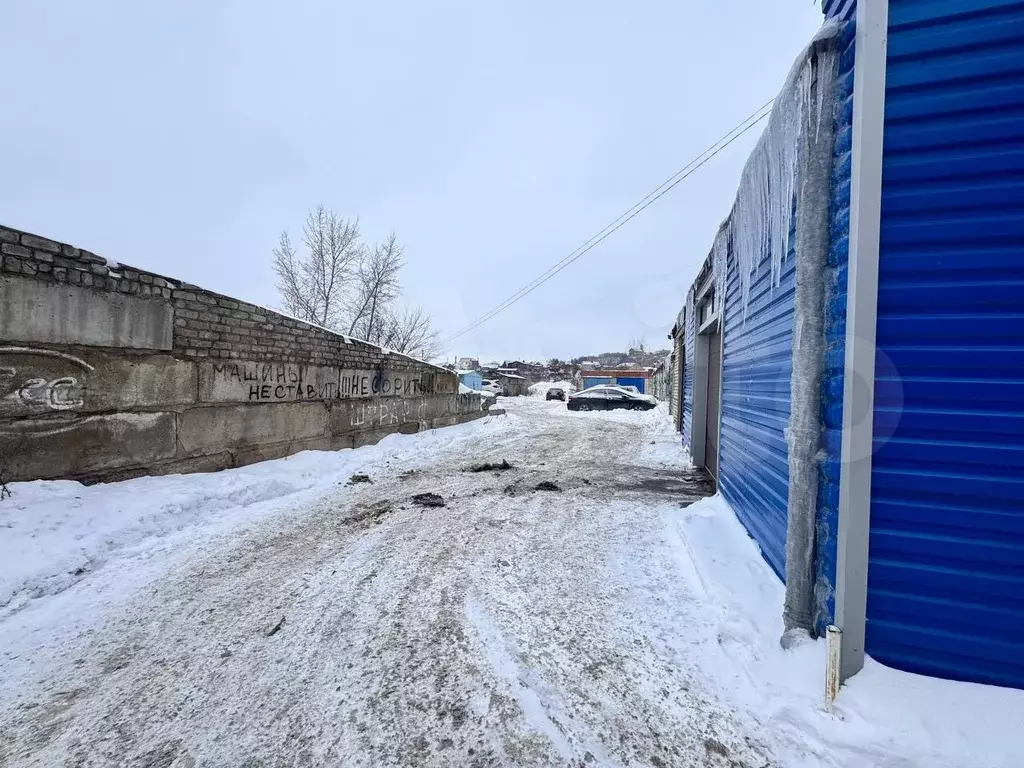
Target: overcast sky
494, 137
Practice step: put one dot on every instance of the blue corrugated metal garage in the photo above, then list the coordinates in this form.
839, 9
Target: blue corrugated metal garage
754, 263
628, 381
946, 575
595, 381
757, 350
937, 546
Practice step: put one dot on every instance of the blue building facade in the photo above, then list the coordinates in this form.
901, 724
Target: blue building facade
906, 350
472, 379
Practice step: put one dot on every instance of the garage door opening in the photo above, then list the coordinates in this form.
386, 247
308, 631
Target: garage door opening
707, 385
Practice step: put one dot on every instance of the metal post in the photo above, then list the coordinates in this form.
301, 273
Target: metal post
834, 644
861, 316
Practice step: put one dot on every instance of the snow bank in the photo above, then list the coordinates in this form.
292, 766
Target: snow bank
464, 390
662, 445
53, 533
484, 395
540, 388
882, 716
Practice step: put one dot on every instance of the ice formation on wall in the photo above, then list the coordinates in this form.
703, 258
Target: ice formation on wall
804, 433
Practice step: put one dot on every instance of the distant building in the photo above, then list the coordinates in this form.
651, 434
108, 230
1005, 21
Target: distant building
560, 372
533, 371
513, 384
468, 364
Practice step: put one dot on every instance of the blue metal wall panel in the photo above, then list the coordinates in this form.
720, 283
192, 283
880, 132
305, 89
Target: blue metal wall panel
946, 575
839, 9
595, 381
625, 381
689, 338
827, 517
756, 369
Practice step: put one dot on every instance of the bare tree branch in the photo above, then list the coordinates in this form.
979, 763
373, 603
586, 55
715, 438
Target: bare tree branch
335, 249
377, 289
411, 332
313, 286
291, 281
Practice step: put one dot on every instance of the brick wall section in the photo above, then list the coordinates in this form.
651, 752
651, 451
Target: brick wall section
110, 371
206, 324
26, 254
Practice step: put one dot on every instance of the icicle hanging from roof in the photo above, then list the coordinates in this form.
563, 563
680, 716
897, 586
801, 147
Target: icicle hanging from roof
759, 225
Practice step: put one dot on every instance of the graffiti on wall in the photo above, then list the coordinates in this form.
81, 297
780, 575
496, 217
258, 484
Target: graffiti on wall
40, 389
284, 382
387, 413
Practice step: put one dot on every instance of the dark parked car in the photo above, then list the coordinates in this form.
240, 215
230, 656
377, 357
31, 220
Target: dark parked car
555, 393
608, 398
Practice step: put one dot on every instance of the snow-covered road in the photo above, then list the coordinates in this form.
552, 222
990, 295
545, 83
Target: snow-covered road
326, 623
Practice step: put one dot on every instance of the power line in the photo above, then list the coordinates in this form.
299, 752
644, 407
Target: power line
649, 199
652, 196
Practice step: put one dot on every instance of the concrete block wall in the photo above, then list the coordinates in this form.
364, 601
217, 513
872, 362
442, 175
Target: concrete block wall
109, 371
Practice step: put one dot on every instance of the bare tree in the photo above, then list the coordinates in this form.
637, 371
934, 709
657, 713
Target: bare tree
411, 332
313, 286
341, 284
377, 288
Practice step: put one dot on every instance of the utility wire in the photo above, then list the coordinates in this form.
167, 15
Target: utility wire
650, 198
625, 217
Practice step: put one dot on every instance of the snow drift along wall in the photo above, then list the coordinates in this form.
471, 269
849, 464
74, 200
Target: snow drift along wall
108, 371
